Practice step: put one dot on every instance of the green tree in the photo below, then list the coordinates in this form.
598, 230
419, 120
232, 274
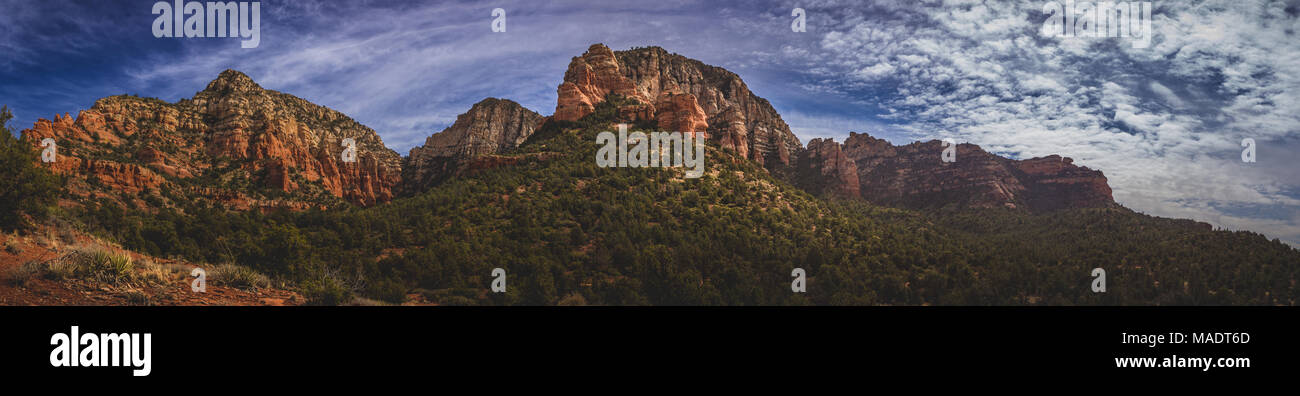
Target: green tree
29, 189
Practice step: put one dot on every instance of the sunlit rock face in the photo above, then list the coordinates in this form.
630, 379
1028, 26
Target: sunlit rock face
234, 142
664, 85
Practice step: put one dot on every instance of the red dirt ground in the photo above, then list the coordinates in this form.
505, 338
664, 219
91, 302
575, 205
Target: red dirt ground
43, 245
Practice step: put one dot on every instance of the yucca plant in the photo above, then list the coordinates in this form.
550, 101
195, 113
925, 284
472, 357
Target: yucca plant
107, 266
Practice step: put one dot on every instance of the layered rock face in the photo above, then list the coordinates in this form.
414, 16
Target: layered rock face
491, 126
1054, 182
665, 84
915, 176
680, 113
825, 169
90, 129
234, 142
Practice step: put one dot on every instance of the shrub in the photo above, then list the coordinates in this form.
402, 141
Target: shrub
154, 272
97, 265
63, 267
457, 301
11, 246
573, 300
106, 266
30, 190
136, 297
18, 277
387, 291
366, 302
68, 235
326, 290
238, 276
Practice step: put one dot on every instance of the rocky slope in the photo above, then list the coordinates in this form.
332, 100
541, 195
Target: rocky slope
234, 143
914, 176
491, 126
681, 94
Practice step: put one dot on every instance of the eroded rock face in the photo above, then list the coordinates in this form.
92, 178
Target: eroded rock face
491, 126
1055, 183
733, 116
915, 176
825, 169
680, 113
589, 79
247, 139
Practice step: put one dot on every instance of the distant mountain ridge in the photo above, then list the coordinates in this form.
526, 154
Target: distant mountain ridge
246, 147
915, 176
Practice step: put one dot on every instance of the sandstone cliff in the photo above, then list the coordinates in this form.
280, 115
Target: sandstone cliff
681, 94
491, 126
234, 143
915, 176
825, 169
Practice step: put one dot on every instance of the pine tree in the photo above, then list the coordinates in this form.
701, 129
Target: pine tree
29, 189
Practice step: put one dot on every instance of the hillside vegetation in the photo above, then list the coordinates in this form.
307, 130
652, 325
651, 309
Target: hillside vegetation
570, 233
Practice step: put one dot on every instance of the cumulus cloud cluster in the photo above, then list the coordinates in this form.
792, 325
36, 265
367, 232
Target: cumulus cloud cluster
1164, 123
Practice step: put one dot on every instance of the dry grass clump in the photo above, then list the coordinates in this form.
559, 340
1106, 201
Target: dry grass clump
18, 277
12, 246
238, 276
96, 265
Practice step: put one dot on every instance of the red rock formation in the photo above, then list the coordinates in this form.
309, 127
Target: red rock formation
491, 126
731, 133
232, 130
126, 178
915, 176
1055, 182
826, 170
686, 95
680, 113
734, 117
589, 79
268, 128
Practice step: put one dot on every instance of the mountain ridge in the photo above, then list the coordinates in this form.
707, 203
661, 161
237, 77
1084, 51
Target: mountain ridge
273, 149
916, 176
289, 147
570, 232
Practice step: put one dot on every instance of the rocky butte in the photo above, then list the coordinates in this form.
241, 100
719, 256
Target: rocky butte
492, 126
234, 143
681, 95
914, 176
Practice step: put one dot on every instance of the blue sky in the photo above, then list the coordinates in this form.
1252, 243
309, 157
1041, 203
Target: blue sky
1164, 122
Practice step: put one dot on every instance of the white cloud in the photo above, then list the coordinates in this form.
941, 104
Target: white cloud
1108, 105
1168, 95
876, 71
